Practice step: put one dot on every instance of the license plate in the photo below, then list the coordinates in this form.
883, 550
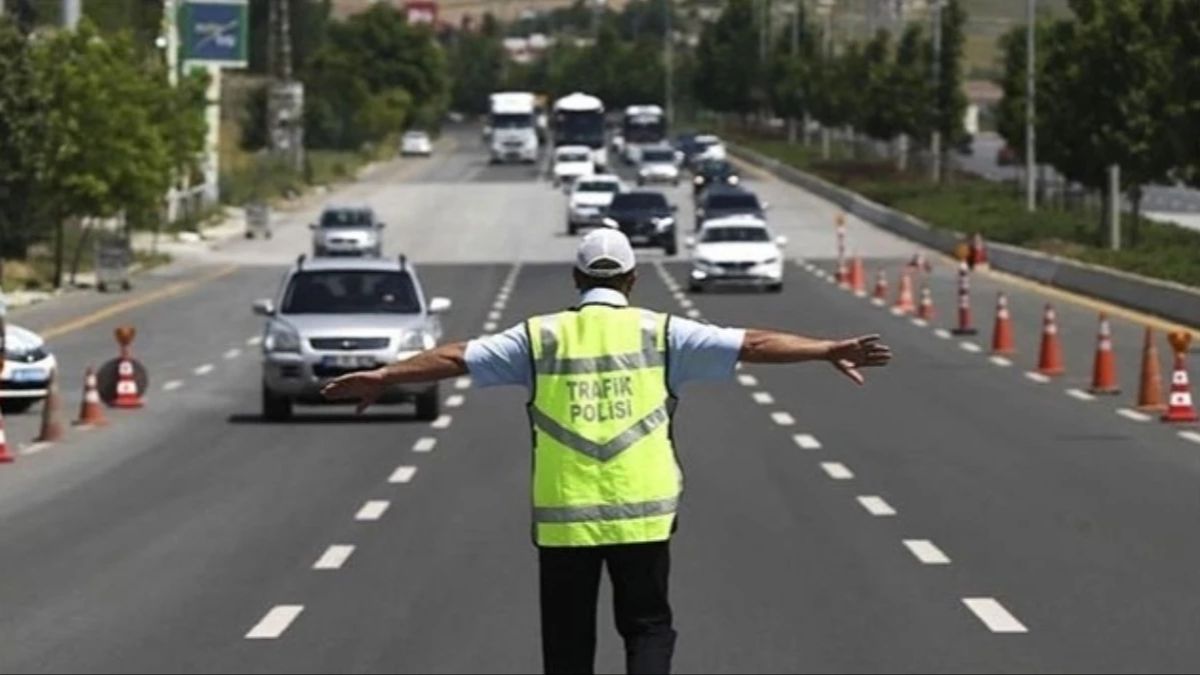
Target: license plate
28, 375
348, 361
639, 239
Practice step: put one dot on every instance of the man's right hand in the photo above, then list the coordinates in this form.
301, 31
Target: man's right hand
365, 387
860, 352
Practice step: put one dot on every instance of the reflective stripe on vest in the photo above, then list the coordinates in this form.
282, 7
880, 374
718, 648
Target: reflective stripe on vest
604, 466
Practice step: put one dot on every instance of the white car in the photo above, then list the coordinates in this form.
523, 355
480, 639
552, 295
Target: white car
572, 162
658, 165
28, 366
416, 143
713, 148
738, 250
589, 199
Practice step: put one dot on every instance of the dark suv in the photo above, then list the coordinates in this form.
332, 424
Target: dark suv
720, 202
711, 173
646, 218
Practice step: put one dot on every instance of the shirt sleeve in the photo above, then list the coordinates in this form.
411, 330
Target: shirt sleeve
701, 351
500, 359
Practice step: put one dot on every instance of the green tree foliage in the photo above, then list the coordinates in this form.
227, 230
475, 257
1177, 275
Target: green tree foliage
23, 98
476, 62
727, 69
1183, 123
950, 104
911, 86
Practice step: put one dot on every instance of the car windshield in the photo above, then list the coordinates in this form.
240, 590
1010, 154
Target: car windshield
351, 292
512, 121
707, 142
638, 201
732, 201
716, 168
734, 234
572, 157
415, 136
658, 156
597, 186
347, 218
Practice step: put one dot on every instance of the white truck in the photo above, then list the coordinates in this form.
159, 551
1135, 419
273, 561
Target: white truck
512, 127
642, 126
579, 120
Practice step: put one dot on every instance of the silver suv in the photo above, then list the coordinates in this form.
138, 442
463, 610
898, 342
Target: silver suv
336, 316
343, 230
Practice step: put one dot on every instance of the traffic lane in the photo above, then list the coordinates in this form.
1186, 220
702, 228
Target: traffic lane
207, 509
1078, 520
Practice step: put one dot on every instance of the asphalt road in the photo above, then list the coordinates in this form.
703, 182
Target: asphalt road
825, 527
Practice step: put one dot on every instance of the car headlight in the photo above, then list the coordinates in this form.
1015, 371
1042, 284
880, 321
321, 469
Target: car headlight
416, 341
734, 180
770, 261
698, 180
663, 223
704, 263
281, 338
609, 222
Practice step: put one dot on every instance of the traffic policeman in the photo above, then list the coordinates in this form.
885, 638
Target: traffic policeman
603, 378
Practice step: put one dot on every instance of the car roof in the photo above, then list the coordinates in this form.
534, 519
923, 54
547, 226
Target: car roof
572, 148
742, 220
708, 138
727, 190
659, 193
602, 178
416, 132
306, 264
347, 207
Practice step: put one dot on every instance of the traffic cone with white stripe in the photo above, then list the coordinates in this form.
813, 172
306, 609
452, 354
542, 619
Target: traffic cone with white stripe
5, 456
843, 274
1104, 370
1002, 334
1180, 407
1150, 391
881, 289
965, 324
926, 311
128, 395
904, 299
858, 277
91, 411
52, 430
1050, 362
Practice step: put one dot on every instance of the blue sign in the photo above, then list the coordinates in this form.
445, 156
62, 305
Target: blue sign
216, 32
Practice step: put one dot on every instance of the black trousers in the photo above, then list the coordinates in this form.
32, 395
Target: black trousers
570, 586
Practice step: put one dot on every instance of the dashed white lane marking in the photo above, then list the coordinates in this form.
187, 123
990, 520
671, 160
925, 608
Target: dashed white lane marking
494, 315
34, 448
943, 334
679, 296
876, 506
1037, 377
275, 622
442, 422
1135, 415
254, 341
334, 557
233, 353
1001, 361
763, 398
783, 419
860, 294
402, 474
1192, 436
693, 313
172, 385
970, 347
878, 302
499, 304
831, 279
919, 322
372, 510
1080, 395
807, 441
204, 369
994, 616
490, 327
686, 304
837, 470
925, 551
426, 444
455, 401
462, 383
748, 380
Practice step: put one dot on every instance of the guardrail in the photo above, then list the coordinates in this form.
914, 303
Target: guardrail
1172, 301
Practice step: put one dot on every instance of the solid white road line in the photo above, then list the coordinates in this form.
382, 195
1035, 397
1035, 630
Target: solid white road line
1135, 415
425, 444
943, 334
204, 369
693, 313
1190, 436
254, 341
748, 380
807, 441
763, 398
1001, 361
275, 622
1037, 377
462, 383
172, 385
837, 470
970, 347
455, 401
372, 510
783, 419
233, 354
442, 422
994, 616
927, 552
334, 557
402, 474
876, 506
1080, 394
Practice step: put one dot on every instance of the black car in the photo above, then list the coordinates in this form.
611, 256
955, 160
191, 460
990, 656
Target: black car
712, 172
720, 202
646, 217
686, 143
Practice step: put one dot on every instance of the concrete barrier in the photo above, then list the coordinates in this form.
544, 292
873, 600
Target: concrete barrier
1165, 299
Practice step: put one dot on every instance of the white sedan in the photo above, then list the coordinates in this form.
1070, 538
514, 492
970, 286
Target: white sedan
416, 143
736, 251
572, 162
589, 200
28, 367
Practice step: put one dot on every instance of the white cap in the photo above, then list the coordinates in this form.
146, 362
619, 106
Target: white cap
605, 253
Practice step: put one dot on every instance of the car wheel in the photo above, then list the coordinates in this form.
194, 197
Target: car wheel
249, 235
102, 287
16, 406
695, 287
275, 408
572, 228
429, 405
775, 288
671, 247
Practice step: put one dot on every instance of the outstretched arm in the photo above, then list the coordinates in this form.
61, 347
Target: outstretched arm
766, 346
367, 386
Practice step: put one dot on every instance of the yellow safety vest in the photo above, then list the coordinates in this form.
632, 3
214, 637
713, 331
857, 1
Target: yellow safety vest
604, 465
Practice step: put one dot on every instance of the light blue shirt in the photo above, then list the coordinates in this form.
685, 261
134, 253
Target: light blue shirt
697, 351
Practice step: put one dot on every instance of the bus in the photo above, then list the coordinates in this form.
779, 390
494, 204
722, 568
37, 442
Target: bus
642, 126
579, 120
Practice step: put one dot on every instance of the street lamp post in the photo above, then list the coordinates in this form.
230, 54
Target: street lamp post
1030, 108
936, 140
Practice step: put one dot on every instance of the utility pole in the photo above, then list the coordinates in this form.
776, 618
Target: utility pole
669, 62
72, 10
1114, 206
285, 98
936, 141
170, 46
1030, 107
795, 51
826, 8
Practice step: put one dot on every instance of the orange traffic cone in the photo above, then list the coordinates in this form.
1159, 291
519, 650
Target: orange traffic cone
5, 456
1104, 371
904, 299
979, 256
965, 324
1051, 360
858, 277
1002, 334
881, 289
51, 428
91, 412
926, 311
1179, 407
1150, 392
128, 395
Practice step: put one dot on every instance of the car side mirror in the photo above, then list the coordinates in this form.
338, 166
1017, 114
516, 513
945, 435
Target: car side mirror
439, 305
690, 242
781, 241
264, 307
381, 225
674, 208
312, 226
